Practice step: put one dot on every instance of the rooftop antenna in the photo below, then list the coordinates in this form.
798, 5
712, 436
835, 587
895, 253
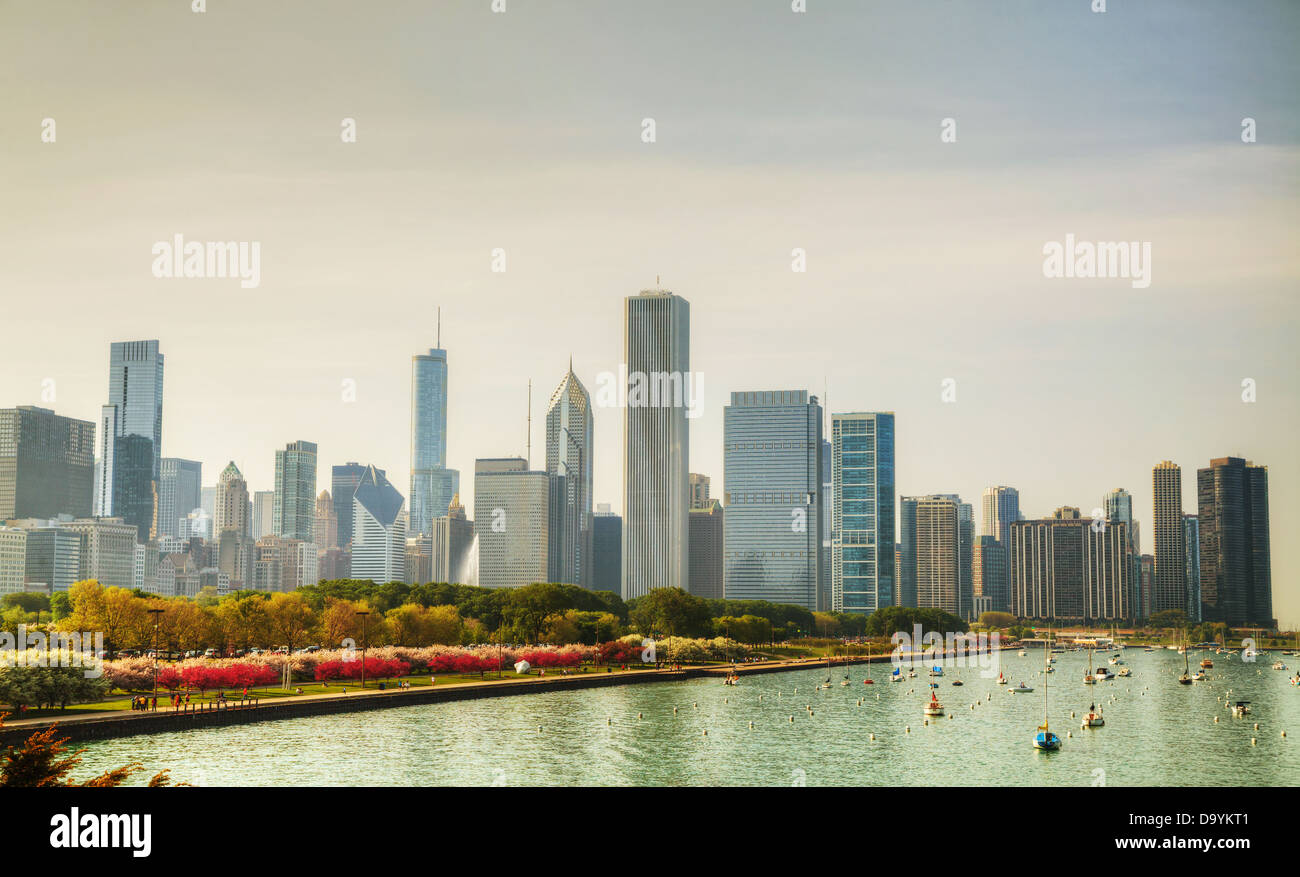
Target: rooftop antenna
439, 327
529, 451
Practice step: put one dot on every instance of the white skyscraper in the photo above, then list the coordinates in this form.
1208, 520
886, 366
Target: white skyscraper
656, 464
511, 522
1001, 509
378, 530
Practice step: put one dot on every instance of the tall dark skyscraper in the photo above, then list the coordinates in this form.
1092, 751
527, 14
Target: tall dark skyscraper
130, 469
1169, 589
1236, 563
862, 512
47, 464
606, 552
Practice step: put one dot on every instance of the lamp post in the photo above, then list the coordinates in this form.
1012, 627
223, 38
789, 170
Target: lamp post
157, 614
364, 641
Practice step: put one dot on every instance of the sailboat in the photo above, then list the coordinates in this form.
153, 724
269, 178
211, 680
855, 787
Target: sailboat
1094, 718
1045, 738
933, 708
1088, 678
1186, 677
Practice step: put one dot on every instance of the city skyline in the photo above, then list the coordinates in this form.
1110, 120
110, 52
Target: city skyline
716, 206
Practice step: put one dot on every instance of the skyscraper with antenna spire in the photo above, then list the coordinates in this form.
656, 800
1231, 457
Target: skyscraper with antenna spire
432, 484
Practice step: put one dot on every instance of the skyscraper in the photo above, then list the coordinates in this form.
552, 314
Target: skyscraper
343, 484
511, 519
1001, 506
13, 560
707, 575
46, 464
1118, 506
1169, 589
772, 468
264, 513
1068, 568
453, 539
862, 512
824, 562
230, 506
131, 468
295, 492
699, 486
606, 551
432, 483
936, 545
1235, 551
989, 580
1192, 539
378, 530
656, 447
569, 438
180, 483
327, 524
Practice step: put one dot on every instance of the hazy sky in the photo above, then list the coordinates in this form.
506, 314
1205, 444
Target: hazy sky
774, 131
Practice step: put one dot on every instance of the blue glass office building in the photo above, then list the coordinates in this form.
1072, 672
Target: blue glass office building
772, 528
862, 511
432, 484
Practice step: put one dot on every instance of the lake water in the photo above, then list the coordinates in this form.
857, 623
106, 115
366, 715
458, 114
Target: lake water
1157, 733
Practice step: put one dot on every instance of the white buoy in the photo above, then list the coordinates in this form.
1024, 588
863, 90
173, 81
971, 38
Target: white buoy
871, 737
1252, 741
674, 710
609, 721
1069, 734
952, 715
1256, 726
792, 719
1216, 720
1071, 713
1284, 733
907, 729
539, 729
751, 726
638, 715
706, 732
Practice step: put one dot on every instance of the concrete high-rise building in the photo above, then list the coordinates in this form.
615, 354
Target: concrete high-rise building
131, 468
707, 574
1192, 539
343, 484
47, 464
1118, 506
230, 506
378, 530
107, 550
862, 512
1146, 583
294, 512
13, 560
453, 540
934, 544
989, 579
180, 486
569, 441
1070, 568
511, 518
607, 551
1236, 580
772, 471
1001, 507
264, 514
1170, 583
326, 532
432, 483
699, 487
656, 446
283, 565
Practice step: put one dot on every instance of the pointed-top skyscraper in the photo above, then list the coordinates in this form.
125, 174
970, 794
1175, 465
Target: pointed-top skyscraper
378, 530
432, 483
568, 460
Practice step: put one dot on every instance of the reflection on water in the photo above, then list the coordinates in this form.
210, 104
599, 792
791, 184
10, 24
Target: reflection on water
1157, 733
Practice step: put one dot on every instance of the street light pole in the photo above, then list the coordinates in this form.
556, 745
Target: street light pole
365, 639
156, 613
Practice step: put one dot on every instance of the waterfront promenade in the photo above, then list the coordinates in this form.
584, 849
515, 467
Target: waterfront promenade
123, 723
